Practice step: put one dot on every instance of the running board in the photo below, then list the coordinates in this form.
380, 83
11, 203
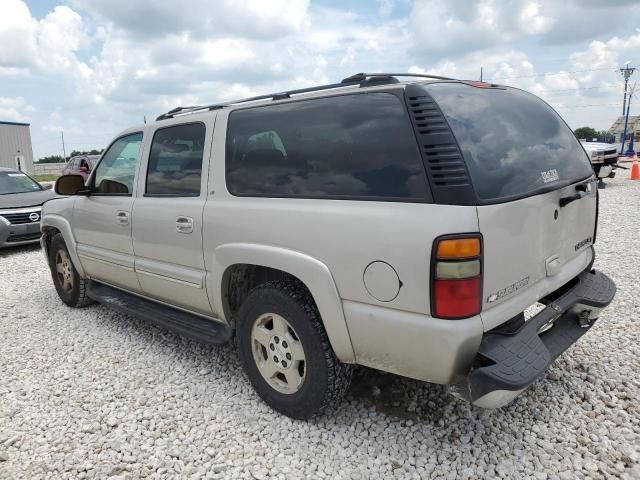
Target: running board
186, 324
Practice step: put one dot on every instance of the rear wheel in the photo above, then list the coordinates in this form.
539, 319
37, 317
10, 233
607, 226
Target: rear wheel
286, 353
71, 289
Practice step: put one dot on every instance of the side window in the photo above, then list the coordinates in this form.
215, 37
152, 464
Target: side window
116, 171
350, 146
175, 161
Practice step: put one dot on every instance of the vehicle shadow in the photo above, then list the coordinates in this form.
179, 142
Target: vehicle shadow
399, 397
390, 395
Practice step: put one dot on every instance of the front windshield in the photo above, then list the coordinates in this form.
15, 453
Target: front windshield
17, 182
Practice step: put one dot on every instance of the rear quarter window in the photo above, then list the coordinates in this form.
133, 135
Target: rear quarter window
513, 143
350, 146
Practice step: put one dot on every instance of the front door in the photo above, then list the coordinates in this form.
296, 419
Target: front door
102, 220
167, 217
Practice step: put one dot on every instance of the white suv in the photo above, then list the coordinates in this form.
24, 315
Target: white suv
404, 226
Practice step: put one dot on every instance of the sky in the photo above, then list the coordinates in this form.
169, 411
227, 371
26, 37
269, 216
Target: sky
91, 68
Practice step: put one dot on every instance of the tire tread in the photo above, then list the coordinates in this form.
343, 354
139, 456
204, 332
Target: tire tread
338, 374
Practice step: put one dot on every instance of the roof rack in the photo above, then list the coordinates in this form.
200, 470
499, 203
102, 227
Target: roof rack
195, 108
362, 79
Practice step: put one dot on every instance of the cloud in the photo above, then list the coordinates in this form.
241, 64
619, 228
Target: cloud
14, 109
49, 44
385, 7
202, 18
508, 67
18, 45
532, 21
93, 67
441, 28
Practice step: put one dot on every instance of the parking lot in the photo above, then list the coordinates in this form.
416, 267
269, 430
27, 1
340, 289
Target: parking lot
94, 394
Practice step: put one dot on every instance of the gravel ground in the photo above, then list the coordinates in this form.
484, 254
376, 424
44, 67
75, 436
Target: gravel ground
94, 394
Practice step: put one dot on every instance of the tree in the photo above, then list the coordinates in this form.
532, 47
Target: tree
75, 153
51, 159
586, 133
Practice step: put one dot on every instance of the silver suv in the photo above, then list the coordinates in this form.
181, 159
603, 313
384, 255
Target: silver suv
404, 226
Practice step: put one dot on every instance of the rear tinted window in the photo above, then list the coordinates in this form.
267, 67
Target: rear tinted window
352, 146
513, 143
175, 160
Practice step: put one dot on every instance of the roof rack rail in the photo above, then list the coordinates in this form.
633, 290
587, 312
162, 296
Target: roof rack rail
195, 108
363, 79
273, 96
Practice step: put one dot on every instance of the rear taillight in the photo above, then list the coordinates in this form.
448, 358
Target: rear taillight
456, 276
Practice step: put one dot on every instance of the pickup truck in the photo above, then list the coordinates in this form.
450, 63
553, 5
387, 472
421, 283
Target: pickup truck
603, 156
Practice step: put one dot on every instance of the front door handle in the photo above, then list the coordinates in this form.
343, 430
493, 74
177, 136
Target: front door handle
184, 224
123, 217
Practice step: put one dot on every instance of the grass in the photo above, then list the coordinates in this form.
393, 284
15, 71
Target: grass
46, 177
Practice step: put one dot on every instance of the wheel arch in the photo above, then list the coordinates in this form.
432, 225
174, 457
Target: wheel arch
270, 262
53, 224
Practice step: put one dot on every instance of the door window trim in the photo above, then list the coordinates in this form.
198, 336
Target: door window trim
92, 181
146, 174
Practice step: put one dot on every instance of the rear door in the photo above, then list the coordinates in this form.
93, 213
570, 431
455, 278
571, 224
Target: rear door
533, 246
167, 216
536, 195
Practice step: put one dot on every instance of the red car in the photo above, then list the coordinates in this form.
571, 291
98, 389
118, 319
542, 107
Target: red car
80, 165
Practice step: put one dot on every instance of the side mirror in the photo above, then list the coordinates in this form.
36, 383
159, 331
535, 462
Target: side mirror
71, 185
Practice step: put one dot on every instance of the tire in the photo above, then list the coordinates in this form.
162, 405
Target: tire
322, 379
71, 289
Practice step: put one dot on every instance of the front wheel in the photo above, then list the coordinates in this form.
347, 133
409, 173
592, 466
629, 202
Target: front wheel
71, 289
286, 353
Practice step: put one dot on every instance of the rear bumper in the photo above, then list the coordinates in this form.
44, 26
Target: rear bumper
507, 363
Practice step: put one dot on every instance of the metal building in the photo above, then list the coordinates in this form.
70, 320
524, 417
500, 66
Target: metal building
15, 146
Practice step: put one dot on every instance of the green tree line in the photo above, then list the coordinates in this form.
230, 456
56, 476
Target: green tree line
587, 133
61, 159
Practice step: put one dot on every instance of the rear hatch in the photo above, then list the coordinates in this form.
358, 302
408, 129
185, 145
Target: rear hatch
535, 193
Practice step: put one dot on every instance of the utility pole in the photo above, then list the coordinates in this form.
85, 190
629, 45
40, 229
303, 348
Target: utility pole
626, 72
626, 121
480, 73
64, 153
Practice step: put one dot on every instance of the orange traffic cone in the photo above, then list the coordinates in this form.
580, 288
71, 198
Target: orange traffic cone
635, 169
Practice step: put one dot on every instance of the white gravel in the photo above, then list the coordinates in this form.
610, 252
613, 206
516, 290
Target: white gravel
94, 394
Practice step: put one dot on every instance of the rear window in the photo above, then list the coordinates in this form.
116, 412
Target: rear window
513, 143
351, 146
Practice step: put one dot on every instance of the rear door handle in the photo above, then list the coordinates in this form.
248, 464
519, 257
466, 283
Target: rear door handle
582, 190
184, 224
564, 201
123, 217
